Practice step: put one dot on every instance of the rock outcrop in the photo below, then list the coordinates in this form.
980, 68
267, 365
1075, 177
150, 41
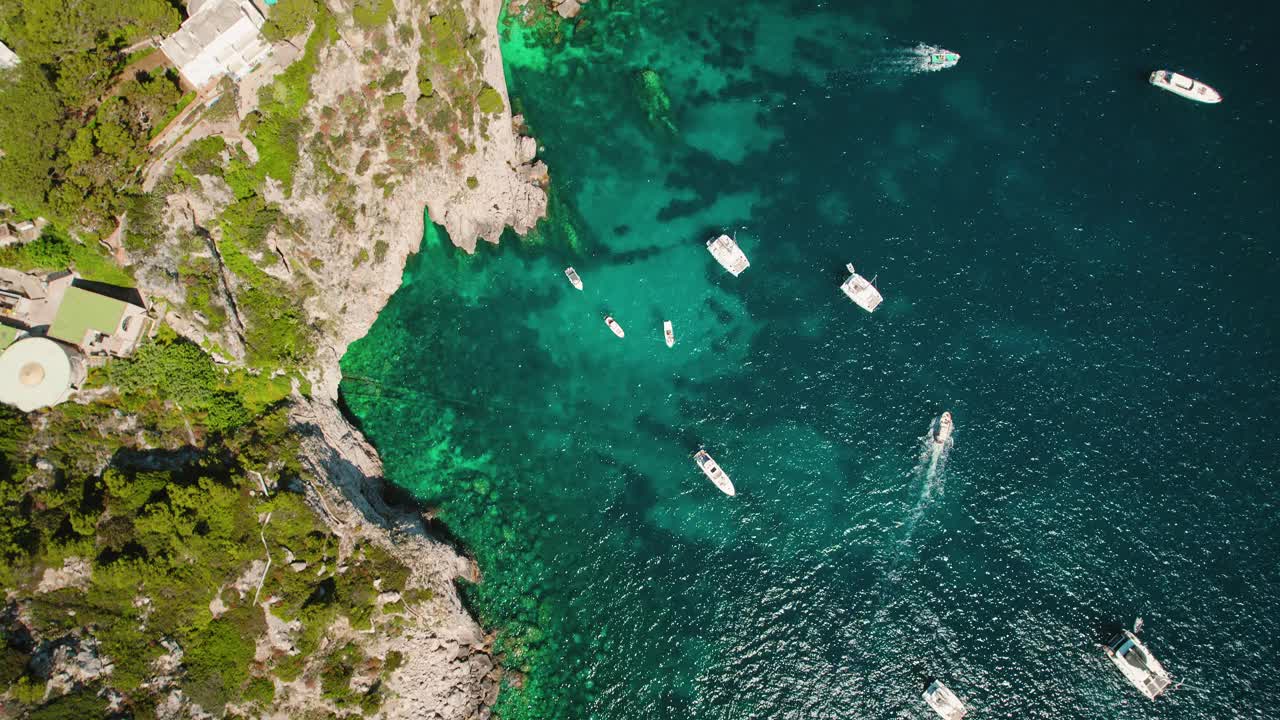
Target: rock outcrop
354, 213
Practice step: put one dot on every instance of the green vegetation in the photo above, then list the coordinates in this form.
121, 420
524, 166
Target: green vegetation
372, 14
54, 251
71, 133
164, 529
489, 101
289, 18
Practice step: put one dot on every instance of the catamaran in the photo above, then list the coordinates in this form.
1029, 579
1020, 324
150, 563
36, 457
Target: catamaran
861, 291
614, 326
669, 333
726, 252
713, 472
573, 277
944, 702
945, 426
1185, 86
1137, 663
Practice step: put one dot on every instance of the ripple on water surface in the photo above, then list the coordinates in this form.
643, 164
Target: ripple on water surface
1106, 460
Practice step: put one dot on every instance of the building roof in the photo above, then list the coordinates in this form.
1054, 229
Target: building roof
221, 37
82, 311
8, 334
34, 372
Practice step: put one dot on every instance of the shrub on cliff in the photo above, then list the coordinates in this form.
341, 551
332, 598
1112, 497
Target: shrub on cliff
489, 101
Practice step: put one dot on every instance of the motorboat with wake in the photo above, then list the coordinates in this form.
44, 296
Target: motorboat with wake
1185, 86
945, 426
726, 252
944, 702
1137, 663
861, 290
937, 58
573, 277
614, 326
713, 472
668, 333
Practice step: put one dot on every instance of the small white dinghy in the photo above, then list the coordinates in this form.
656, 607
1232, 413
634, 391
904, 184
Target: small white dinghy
713, 472
861, 291
614, 326
1185, 86
669, 333
944, 702
573, 277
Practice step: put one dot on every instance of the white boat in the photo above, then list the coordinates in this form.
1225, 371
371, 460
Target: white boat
726, 252
573, 277
861, 291
614, 326
945, 426
934, 58
944, 702
1137, 664
669, 333
1185, 86
713, 472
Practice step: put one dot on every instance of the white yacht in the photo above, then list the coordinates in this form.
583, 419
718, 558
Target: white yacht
573, 277
861, 291
944, 702
713, 472
945, 426
726, 252
668, 333
1185, 86
1137, 664
614, 326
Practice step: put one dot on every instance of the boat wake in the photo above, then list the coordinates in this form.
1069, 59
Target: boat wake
929, 473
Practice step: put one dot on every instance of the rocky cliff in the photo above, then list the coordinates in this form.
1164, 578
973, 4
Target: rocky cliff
392, 127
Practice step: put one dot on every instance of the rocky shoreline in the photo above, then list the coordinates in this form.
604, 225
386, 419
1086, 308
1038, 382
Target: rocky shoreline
352, 266
449, 672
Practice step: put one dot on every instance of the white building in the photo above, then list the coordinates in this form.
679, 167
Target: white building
222, 37
8, 58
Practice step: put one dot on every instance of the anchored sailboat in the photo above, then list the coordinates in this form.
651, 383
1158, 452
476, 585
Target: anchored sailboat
861, 291
726, 252
944, 702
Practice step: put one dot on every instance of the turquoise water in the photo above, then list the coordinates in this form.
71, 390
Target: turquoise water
1079, 267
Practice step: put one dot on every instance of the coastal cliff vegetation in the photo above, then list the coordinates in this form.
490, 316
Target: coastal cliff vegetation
150, 533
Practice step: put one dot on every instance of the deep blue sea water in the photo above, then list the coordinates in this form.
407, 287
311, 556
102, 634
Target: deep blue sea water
1080, 267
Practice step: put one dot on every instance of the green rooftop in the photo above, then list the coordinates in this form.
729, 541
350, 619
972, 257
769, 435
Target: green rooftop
82, 311
7, 334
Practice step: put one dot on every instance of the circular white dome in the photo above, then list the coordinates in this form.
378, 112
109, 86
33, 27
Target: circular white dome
34, 372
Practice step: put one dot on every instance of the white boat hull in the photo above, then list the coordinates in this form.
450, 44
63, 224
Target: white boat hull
573, 277
1137, 664
944, 702
861, 291
945, 426
1185, 87
726, 252
713, 472
614, 326
668, 333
